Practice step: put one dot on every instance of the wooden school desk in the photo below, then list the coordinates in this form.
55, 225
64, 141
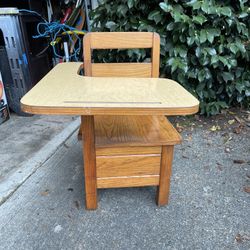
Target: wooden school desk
64, 92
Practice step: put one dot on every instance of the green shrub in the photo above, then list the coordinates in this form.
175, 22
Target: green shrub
205, 45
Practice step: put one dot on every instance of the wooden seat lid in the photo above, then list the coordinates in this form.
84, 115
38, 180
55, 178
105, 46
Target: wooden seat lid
123, 131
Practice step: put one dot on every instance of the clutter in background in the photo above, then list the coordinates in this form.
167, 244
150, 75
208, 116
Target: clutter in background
33, 40
63, 30
4, 110
21, 62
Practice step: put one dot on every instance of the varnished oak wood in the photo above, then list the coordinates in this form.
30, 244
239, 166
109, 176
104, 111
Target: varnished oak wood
119, 40
87, 56
126, 131
88, 132
139, 70
155, 55
127, 165
133, 181
108, 111
165, 174
107, 151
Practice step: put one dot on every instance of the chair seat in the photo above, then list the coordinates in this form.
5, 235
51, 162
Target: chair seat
129, 131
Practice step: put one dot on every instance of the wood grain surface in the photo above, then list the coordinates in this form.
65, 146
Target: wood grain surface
163, 189
127, 165
132, 150
89, 158
125, 131
139, 70
155, 55
122, 40
135, 181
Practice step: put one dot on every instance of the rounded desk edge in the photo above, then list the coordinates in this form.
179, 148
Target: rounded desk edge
108, 111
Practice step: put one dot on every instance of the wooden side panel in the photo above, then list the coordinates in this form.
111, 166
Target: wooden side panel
121, 40
127, 151
121, 69
127, 165
133, 181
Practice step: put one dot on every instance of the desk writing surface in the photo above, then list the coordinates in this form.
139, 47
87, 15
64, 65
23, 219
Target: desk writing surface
64, 91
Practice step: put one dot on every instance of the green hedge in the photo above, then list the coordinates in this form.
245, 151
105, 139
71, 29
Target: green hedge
205, 45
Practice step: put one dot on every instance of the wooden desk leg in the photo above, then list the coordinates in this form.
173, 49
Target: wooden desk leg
88, 131
165, 174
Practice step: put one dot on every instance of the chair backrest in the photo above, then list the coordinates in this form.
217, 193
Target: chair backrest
121, 40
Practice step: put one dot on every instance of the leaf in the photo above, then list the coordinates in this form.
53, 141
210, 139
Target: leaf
45, 192
166, 7
170, 26
241, 46
210, 37
215, 128
195, 4
211, 51
240, 87
226, 11
198, 51
199, 19
230, 122
221, 49
190, 40
233, 48
205, 6
111, 25
223, 60
199, 89
239, 161
122, 9
203, 36
152, 14
130, 3
227, 76
233, 62
201, 75
214, 59
243, 15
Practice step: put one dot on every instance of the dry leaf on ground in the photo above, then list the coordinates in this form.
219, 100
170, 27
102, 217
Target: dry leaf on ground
45, 192
215, 128
230, 122
247, 189
239, 161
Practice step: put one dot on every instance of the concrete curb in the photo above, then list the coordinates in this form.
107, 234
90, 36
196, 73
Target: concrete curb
12, 182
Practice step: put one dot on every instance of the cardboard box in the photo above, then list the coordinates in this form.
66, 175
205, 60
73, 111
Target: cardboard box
4, 109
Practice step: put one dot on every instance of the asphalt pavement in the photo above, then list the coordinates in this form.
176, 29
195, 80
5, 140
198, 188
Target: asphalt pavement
209, 203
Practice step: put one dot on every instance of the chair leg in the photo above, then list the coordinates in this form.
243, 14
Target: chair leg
162, 195
88, 131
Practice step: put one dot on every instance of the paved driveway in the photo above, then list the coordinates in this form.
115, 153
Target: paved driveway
208, 209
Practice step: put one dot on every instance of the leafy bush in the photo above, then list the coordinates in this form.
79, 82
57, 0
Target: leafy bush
205, 45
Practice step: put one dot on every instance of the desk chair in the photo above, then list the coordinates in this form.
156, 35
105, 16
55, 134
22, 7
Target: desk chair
131, 151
